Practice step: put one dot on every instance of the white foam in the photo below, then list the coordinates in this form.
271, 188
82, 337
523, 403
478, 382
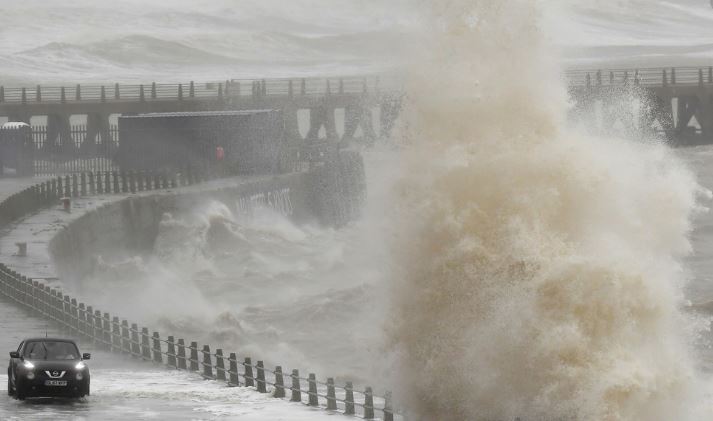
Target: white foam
538, 269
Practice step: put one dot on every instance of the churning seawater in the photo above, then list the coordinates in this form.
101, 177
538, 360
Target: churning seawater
302, 296
537, 269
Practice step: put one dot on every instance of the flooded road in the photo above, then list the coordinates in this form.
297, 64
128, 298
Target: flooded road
122, 389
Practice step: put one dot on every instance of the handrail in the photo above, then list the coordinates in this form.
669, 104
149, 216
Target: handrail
646, 77
236, 89
218, 90
113, 334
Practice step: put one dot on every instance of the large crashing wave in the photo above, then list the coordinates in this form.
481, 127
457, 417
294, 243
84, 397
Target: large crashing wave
538, 268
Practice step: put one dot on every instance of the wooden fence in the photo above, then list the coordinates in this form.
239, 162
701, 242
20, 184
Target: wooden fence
113, 334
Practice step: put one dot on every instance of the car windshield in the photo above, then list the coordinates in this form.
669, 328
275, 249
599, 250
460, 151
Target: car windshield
49, 350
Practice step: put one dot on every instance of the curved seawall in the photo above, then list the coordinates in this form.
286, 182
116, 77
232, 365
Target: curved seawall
329, 195
96, 221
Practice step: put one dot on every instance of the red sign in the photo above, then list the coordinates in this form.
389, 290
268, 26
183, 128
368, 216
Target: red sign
219, 153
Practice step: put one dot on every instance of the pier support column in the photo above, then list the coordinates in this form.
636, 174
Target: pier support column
704, 115
647, 114
316, 119
357, 116
330, 123
59, 137
688, 106
686, 109
97, 125
290, 154
390, 111
322, 116
626, 113
663, 113
292, 125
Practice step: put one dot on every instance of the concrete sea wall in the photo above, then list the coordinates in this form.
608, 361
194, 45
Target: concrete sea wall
329, 194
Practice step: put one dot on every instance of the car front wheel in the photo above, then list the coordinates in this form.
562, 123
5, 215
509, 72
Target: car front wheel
19, 390
9, 385
84, 390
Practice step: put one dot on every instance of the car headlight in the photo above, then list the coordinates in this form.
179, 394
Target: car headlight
30, 375
80, 366
79, 376
28, 365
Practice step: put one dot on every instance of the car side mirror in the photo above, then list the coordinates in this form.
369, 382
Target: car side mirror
87, 356
14, 354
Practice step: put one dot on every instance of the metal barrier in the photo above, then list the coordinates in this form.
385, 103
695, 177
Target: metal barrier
293, 87
73, 150
234, 88
89, 324
648, 77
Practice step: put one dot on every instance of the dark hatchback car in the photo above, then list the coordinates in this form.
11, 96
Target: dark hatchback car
47, 367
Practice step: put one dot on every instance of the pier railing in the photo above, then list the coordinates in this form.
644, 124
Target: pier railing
646, 77
232, 88
316, 86
114, 334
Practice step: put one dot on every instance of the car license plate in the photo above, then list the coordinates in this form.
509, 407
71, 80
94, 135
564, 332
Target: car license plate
55, 383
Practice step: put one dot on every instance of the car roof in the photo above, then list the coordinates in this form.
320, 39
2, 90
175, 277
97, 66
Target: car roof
49, 340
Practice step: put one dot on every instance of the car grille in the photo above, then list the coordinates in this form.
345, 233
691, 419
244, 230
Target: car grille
55, 374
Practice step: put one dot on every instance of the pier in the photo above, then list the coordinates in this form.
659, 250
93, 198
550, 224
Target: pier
360, 99
676, 103
73, 128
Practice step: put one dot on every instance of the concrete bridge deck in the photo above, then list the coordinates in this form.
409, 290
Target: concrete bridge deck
367, 103
370, 103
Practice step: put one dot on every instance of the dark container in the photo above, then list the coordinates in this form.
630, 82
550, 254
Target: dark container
236, 142
16, 149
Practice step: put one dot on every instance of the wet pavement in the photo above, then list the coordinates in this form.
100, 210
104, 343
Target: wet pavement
123, 389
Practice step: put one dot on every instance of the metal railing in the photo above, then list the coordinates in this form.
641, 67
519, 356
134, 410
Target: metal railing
116, 335
47, 193
295, 87
73, 150
233, 88
647, 77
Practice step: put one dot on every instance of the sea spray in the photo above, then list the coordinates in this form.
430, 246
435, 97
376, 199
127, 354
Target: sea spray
255, 283
536, 268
